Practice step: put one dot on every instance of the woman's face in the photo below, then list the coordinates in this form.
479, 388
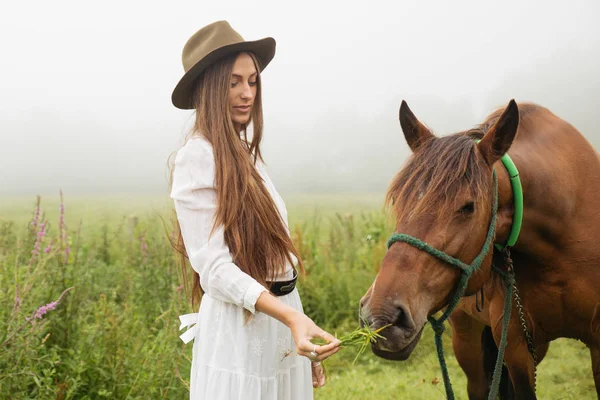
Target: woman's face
242, 90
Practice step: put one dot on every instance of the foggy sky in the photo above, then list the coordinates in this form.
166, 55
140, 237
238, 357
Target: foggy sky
85, 87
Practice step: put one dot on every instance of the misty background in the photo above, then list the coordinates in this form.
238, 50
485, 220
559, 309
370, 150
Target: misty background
85, 99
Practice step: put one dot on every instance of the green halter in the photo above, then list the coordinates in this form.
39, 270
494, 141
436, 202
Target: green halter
469, 269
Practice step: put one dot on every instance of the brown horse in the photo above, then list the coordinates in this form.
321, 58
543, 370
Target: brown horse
443, 196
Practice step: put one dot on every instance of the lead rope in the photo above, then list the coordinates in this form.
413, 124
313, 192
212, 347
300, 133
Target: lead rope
528, 337
509, 280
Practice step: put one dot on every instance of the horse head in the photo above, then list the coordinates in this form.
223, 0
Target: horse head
443, 197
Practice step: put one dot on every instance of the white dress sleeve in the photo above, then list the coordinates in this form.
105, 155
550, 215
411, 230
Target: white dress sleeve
195, 200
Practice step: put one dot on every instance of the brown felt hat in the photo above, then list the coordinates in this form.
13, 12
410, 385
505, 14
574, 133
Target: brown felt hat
208, 45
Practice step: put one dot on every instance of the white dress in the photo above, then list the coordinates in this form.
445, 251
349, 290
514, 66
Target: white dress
231, 360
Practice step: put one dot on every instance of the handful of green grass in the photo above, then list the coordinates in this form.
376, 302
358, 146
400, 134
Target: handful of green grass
361, 337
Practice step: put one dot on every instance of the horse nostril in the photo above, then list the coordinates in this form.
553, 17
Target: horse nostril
364, 300
403, 319
364, 317
361, 322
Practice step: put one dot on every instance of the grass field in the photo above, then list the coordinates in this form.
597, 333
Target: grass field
114, 334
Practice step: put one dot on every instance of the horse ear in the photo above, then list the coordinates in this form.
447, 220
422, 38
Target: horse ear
415, 133
499, 138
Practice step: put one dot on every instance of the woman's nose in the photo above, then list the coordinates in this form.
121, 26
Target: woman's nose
247, 92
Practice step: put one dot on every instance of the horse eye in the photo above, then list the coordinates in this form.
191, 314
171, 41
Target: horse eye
468, 208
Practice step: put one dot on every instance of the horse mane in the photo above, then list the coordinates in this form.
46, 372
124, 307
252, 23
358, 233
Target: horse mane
525, 109
443, 168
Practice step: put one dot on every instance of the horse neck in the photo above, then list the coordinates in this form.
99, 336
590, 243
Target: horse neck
559, 179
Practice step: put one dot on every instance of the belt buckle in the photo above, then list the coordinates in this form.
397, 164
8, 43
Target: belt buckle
288, 288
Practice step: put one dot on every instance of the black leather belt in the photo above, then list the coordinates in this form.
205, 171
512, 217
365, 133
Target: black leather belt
284, 287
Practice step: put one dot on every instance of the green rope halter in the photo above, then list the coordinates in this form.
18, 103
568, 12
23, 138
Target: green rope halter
467, 271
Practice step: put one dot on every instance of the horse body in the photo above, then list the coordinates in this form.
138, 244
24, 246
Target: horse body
556, 259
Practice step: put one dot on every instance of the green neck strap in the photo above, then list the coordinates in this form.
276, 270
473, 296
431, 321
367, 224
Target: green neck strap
517, 189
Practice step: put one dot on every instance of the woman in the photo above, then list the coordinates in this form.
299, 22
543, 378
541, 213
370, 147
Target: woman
233, 224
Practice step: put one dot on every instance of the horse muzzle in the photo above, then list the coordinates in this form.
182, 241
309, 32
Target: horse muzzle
393, 349
400, 335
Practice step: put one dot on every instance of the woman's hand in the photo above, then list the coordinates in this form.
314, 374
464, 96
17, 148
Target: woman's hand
318, 374
304, 329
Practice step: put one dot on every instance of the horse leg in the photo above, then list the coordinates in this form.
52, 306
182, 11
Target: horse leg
595, 352
466, 341
518, 360
595, 347
541, 351
520, 369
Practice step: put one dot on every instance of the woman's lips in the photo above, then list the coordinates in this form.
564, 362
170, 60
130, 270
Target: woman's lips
243, 108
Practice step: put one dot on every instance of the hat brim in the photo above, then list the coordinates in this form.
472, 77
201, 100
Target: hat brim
264, 49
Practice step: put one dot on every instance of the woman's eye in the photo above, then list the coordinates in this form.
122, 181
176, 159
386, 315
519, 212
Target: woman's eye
468, 208
233, 84
252, 83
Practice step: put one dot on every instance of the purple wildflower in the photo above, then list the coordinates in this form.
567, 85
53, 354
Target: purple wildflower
42, 231
47, 250
39, 313
62, 229
37, 246
36, 215
61, 220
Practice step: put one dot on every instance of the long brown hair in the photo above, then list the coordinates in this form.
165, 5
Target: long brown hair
254, 229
